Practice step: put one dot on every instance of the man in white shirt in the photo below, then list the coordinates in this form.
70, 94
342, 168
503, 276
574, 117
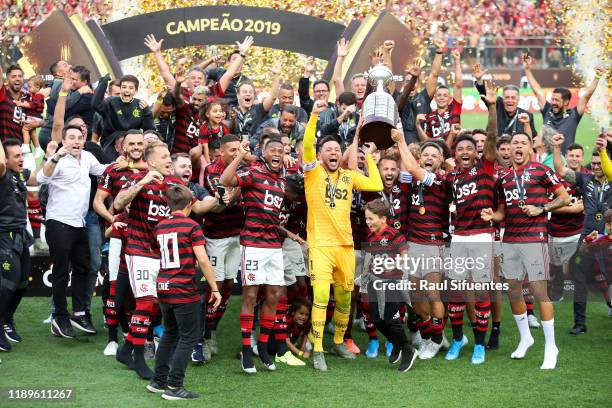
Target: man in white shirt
67, 175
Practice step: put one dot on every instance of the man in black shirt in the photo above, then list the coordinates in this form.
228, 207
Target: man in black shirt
232, 89
320, 88
14, 238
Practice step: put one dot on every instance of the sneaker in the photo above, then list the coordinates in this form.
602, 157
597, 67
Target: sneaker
388, 348
408, 356
150, 350
254, 344
455, 349
343, 351
207, 350
416, 339
289, 359
533, 322
83, 324
40, 246
111, 348
429, 350
478, 356
396, 355
373, 346
318, 359
350, 344
62, 328
445, 344
250, 367
5, 345
156, 387
214, 346
329, 328
197, 355
578, 329
48, 319
176, 394
11, 333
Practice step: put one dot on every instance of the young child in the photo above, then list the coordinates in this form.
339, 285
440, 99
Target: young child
33, 104
386, 242
213, 129
181, 243
298, 327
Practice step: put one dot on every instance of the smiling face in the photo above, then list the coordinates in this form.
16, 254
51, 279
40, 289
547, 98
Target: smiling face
128, 90
321, 92
431, 159
520, 149
504, 154
389, 172
330, 155
73, 142
133, 146
14, 159
285, 97
510, 99
480, 142
196, 78
198, 100
182, 168
160, 160
358, 87
596, 166
466, 154
287, 122
301, 315
442, 98
246, 96
575, 157
215, 114
15, 80
558, 103
374, 222
273, 154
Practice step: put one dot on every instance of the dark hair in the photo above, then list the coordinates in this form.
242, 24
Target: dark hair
441, 146
286, 86
319, 82
214, 145
10, 142
608, 216
378, 207
129, 78
53, 67
442, 87
290, 109
575, 146
73, 117
299, 302
114, 82
347, 98
274, 139
595, 153
523, 134
267, 133
249, 83
68, 127
83, 72
505, 139
150, 149
13, 67
566, 94
464, 137
178, 197
229, 138
168, 99
177, 156
325, 139
481, 131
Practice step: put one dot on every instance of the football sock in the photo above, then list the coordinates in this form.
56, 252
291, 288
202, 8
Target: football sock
455, 314
550, 348
319, 312
483, 314
280, 326
526, 339
246, 327
341, 313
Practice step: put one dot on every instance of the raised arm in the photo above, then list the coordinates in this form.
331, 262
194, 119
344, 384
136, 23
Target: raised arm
236, 63
535, 86
269, 100
436, 67
606, 163
477, 74
458, 85
228, 178
589, 90
408, 161
126, 196
180, 77
414, 71
341, 53
490, 147
563, 171
60, 111
371, 182
97, 102
164, 70
304, 85
310, 153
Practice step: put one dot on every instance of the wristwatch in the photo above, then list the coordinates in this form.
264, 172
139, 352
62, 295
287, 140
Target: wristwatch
54, 160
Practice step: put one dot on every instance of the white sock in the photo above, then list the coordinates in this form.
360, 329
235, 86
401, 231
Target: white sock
550, 348
526, 339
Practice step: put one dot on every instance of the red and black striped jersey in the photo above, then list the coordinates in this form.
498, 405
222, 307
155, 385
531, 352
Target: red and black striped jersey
11, 117
146, 210
473, 190
438, 125
536, 180
432, 226
294, 212
113, 181
228, 222
208, 133
262, 196
37, 104
186, 128
296, 331
566, 224
176, 237
388, 243
398, 198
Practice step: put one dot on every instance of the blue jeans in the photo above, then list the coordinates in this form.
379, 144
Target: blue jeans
92, 225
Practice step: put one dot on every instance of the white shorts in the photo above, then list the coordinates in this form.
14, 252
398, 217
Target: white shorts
293, 261
143, 273
497, 245
224, 255
114, 258
425, 259
529, 257
472, 257
262, 266
562, 249
360, 257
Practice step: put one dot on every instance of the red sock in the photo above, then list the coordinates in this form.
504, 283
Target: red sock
109, 311
141, 320
455, 314
483, 314
246, 327
35, 217
266, 323
367, 321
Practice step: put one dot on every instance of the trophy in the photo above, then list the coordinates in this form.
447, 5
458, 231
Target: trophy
379, 109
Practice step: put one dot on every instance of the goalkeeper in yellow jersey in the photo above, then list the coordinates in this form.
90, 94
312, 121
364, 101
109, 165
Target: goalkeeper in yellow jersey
331, 256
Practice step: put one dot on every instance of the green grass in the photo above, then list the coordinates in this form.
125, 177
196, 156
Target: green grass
585, 134
582, 378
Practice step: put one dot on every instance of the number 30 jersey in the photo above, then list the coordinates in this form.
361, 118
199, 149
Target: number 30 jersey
473, 190
176, 237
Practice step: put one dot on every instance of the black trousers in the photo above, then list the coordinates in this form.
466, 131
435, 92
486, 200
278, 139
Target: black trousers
123, 294
388, 323
68, 246
15, 268
181, 329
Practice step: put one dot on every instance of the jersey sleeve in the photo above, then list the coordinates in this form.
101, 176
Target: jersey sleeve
310, 154
373, 182
488, 166
197, 236
104, 182
245, 177
606, 164
204, 136
550, 180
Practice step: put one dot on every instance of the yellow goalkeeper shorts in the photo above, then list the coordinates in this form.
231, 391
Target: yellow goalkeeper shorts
332, 265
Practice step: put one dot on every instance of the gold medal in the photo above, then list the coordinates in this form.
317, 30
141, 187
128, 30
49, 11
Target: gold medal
598, 216
521, 203
422, 210
397, 225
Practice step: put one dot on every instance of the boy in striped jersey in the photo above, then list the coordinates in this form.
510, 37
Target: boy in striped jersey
181, 244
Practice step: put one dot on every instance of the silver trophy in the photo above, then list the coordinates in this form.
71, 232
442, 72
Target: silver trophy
379, 109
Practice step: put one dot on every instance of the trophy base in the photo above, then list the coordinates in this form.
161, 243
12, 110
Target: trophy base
378, 131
